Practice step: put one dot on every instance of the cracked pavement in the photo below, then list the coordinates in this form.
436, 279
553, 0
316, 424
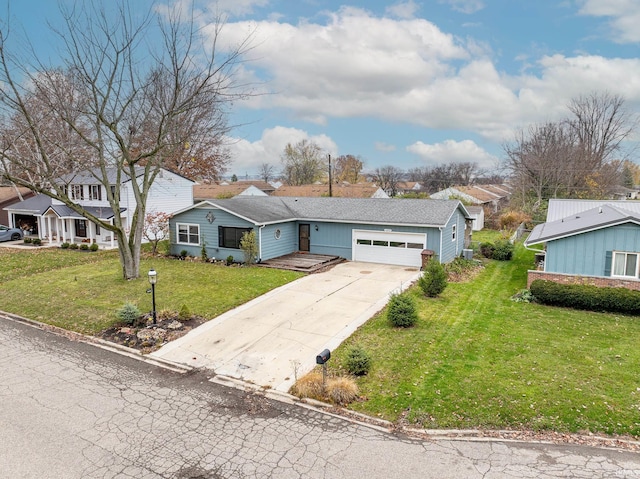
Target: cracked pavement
71, 410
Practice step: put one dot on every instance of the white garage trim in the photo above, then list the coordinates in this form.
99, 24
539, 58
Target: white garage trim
388, 247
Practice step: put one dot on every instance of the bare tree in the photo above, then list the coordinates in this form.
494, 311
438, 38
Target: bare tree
387, 178
126, 109
577, 157
266, 172
303, 163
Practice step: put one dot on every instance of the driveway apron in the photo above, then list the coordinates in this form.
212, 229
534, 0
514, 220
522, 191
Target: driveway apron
273, 338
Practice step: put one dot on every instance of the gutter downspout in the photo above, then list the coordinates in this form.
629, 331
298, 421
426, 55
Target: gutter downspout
260, 243
440, 252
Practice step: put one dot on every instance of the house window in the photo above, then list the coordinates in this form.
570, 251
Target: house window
77, 192
453, 232
625, 264
188, 234
95, 192
229, 237
113, 190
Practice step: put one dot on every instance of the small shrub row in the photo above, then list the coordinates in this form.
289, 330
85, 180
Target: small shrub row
587, 297
501, 250
83, 246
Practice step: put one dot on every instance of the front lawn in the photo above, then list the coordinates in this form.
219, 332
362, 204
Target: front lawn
476, 359
81, 291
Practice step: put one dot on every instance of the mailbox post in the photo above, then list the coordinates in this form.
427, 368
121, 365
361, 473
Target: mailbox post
322, 358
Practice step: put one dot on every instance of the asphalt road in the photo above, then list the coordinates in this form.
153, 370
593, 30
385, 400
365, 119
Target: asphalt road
71, 410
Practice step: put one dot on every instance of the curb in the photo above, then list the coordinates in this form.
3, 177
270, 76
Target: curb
99, 343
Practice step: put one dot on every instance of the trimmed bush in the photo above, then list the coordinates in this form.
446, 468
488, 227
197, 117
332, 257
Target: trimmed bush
358, 361
434, 279
128, 314
229, 260
502, 250
587, 297
27, 239
64, 245
184, 253
486, 250
36, 241
84, 247
94, 247
401, 312
73, 246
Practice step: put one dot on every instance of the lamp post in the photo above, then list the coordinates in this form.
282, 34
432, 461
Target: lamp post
153, 279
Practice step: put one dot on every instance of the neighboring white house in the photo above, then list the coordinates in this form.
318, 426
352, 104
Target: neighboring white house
477, 215
54, 221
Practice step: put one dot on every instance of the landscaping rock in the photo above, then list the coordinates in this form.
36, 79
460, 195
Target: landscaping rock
149, 337
173, 325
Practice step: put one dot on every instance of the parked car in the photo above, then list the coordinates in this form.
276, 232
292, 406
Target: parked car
10, 234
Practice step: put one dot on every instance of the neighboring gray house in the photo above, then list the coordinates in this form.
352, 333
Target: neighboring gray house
370, 230
598, 246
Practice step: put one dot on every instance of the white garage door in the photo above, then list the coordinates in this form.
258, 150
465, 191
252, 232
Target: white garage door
388, 247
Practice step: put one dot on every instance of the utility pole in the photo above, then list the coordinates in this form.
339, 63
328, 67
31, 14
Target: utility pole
330, 179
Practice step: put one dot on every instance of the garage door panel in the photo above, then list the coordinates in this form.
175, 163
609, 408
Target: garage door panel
388, 247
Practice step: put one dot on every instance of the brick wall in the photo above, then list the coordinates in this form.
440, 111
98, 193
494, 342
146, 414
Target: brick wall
576, 279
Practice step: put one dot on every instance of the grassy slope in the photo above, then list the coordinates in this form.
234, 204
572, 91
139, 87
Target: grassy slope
478, 359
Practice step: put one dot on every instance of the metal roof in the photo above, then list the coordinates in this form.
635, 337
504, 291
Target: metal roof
559, 208
261, 210
593, 219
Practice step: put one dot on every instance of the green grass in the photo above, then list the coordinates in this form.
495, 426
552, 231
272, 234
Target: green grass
82, 291
476, 359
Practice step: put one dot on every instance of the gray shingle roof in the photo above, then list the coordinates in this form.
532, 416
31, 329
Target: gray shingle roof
595, 218
39, 204
261, 210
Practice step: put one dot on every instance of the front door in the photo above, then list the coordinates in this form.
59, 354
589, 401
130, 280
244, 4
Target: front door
304, 232
81, 228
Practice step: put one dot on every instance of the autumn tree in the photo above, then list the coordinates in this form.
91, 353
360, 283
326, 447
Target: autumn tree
303, 163
117, 107
388, 177
347, 168
156, 228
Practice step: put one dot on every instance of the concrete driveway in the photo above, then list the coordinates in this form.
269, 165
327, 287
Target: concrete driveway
265, 340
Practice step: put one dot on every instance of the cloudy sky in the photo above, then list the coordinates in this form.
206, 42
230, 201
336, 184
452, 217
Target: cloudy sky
413, 83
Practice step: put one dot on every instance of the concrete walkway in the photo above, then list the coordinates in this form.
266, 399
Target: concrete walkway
266, 340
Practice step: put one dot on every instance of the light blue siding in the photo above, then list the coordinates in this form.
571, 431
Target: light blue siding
451, 248
325, 237
585, 253
208, 232
273, 247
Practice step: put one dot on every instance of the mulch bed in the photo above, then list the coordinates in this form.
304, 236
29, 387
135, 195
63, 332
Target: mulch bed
148, 337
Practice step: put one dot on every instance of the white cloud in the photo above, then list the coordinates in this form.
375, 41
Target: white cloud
624, 15
409, 71
465, 6
405, 10
247, 156
450, 151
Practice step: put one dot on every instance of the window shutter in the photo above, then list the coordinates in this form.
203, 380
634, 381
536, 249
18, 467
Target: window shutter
220, 239
608, 260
